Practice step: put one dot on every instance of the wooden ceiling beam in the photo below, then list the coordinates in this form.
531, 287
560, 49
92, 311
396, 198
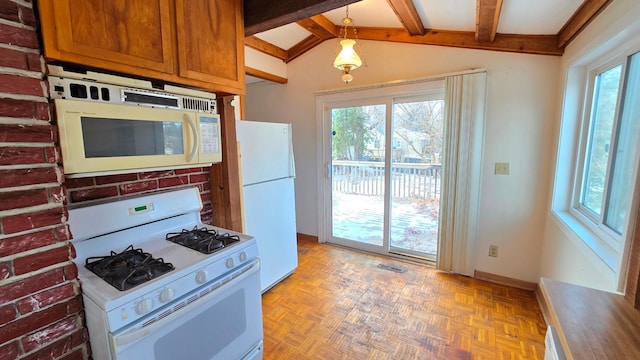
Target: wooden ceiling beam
274, 13
265, 75
303, 46
320, 26
487, 17
408, 15
580, 19
266, 47
263, 15
528, 44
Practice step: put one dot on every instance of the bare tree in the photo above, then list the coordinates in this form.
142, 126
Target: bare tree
420, 120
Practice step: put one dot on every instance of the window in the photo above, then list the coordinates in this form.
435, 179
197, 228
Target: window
605, 95
608, 154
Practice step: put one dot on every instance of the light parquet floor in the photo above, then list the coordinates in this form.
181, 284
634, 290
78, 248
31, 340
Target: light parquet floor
339, 305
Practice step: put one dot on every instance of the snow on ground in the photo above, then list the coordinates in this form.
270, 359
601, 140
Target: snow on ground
414, 222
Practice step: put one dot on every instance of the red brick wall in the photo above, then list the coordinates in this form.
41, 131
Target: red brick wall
40, 304
41, 315
114, 186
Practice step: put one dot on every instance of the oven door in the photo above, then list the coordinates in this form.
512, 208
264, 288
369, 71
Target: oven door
223, 323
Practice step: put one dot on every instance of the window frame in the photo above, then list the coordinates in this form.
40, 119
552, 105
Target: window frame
598, 240
594, 222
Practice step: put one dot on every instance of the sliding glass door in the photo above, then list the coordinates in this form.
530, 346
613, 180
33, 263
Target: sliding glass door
384, 173
358, 168
416, 175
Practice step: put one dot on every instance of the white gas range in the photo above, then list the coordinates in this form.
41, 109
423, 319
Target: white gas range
181, 303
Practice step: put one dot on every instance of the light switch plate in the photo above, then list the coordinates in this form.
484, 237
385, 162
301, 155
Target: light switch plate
502, 168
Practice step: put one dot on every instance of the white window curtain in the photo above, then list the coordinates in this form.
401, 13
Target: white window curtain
465, 98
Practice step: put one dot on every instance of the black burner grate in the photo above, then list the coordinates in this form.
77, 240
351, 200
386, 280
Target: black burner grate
128, 268
204, 240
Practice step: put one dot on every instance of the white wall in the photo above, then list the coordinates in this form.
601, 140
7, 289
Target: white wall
522, 97
260, 61
564, 256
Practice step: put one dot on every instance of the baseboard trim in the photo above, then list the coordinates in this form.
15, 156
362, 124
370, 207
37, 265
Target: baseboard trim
503, 280
305, 237
545, 306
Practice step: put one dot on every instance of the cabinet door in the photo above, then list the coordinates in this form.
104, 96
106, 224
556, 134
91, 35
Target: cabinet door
210, 41
119, 35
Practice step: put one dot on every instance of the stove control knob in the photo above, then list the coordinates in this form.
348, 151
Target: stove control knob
243, 256
202, 277
166, 295
144, 306
229, 263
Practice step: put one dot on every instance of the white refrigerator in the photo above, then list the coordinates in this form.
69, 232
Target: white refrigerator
267, 171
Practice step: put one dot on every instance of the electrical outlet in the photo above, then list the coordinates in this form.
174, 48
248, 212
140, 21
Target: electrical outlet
493, 250
502, 168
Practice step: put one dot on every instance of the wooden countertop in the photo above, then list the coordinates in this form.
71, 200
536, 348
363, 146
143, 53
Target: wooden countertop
591, 324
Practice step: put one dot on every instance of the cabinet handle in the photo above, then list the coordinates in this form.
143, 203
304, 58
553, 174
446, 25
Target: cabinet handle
194, 131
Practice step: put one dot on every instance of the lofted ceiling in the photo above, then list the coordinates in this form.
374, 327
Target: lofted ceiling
286, 29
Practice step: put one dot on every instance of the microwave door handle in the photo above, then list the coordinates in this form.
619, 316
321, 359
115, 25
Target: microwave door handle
194, 131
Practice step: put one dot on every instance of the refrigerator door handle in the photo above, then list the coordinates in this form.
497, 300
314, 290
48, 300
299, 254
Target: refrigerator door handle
292, 162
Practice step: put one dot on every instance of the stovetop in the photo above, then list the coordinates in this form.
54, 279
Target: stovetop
128, 268
191, 269
131, 267
202, 239
184, 260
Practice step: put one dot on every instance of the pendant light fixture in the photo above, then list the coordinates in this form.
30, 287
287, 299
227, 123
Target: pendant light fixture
348, 59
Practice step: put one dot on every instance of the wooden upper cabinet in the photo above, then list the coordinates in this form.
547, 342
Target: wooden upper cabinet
210, 37
198, 43
118, 35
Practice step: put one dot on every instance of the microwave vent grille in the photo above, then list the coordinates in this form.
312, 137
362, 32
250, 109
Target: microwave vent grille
86, 90
139, 97
196, 104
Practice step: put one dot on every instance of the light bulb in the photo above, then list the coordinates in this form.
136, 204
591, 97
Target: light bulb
347, 56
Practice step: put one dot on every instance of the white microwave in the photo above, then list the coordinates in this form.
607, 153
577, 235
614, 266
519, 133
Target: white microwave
100, 138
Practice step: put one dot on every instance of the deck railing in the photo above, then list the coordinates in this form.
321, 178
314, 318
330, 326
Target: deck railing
367, 178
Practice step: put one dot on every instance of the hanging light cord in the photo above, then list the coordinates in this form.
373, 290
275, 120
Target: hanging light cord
346, 21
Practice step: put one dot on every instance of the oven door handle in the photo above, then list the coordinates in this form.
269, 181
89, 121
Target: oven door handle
194, 131
135, 334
